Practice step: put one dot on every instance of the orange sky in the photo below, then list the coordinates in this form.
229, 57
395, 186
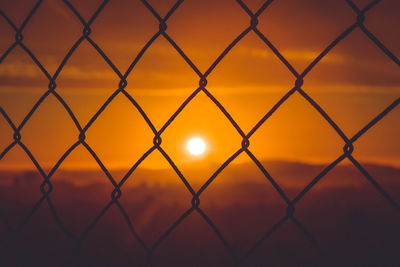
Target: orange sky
353, 83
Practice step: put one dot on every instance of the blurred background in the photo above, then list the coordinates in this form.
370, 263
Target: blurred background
353, 84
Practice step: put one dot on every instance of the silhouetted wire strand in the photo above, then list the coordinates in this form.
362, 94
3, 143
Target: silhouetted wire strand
141, 53
380, 45
268, 176
133, 168
7, 118
318, 177
5, 151
140, 110
271, 112
179, 110
218, 171
311, 239
276, 52
177, 171
103, 168
104, 56
323, 114
328, 49
218, 233
374, 183
94, 222
226, 51
45, 194
263, 238
130, 225
57, 218
375, 120
224, 111
17, 135
172, 227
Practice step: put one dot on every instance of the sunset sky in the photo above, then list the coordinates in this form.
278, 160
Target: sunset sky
353, 83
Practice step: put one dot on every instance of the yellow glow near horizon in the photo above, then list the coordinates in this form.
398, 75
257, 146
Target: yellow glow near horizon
196, 146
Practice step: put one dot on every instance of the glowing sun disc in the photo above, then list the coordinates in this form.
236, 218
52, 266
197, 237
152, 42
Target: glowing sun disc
196, 146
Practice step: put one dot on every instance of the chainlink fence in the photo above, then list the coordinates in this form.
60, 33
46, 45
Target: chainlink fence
47, 187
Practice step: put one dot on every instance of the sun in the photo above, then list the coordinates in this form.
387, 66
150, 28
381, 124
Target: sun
196, 146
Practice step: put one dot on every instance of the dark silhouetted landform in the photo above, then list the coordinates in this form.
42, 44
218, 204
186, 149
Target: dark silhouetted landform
343, 212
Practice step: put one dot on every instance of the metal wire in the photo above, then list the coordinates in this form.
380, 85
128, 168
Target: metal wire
47, 187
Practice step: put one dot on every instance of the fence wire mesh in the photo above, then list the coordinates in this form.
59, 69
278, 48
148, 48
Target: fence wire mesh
46, 187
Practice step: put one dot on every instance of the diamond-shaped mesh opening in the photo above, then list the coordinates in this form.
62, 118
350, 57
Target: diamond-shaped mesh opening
85, 186
85, 70
382, 22
42, 235
161, 78
112, 237
285, 247
18, 11
251, 65
355, 74
86, 9
154, 198
312, 27
162, 7
119, 121
86, 83
22, 84
200, 118
353, 215
380, 141
295, 144
195, 237
241, 197
19, 190
57, 132
225, 21
17, 103
51, 23
134, 31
